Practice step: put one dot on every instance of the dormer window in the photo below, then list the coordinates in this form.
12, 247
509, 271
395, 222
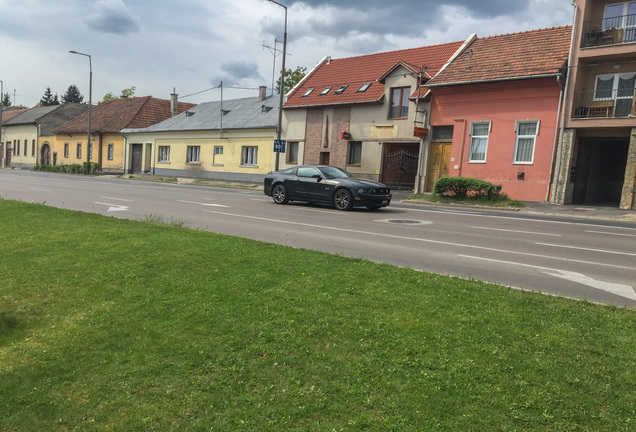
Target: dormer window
308, 92
325, 91
364, 88
341, 89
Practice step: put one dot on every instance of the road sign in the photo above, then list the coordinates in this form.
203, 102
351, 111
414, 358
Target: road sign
279, 146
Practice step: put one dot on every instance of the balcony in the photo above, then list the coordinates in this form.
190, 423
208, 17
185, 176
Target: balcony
603, 104
609, 31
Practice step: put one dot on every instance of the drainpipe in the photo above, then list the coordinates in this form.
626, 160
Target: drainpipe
125, 166
565, 98
631, 201
461, 146
556, 139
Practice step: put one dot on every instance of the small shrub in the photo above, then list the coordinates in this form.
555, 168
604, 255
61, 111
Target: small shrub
466, 187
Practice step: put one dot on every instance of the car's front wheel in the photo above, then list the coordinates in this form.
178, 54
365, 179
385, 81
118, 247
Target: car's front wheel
342, 199
279, 194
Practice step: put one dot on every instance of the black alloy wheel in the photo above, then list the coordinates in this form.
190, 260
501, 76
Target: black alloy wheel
342, 199
279, 194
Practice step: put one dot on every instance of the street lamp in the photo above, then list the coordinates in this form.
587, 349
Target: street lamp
90, 103
282, 83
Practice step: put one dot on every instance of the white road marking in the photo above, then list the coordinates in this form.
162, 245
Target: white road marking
40, 189
613, 288
515, 231
587, 249
203, 204
610, 233
370, 233
117, 199
114, 207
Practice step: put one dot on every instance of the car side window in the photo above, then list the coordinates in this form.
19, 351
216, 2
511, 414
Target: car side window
307, 172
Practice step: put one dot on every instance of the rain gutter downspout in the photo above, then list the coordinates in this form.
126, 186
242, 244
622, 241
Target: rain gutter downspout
461, 147
565, 98
556, 139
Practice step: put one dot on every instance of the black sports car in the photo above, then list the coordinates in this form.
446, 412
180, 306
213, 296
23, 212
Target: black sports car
325, 185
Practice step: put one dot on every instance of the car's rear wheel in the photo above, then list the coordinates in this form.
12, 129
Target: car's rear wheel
279, 194
342, 199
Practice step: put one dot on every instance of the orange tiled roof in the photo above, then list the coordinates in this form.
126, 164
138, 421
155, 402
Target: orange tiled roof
356, 71
117, 114
509, 56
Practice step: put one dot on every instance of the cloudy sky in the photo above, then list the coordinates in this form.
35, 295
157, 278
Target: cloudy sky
193, 45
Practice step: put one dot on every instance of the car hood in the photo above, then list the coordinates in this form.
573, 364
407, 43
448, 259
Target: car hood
360, 183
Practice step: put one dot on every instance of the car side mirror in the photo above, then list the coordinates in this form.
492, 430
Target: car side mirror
318, 177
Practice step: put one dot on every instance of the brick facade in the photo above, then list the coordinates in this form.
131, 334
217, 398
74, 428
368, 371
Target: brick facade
628, 200
322, 134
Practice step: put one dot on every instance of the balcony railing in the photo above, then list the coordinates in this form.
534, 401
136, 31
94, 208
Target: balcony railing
609, 31
603, 104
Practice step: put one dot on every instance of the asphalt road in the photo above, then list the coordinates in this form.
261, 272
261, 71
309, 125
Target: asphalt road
579, 259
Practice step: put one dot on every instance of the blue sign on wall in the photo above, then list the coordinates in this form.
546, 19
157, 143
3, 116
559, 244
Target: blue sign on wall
279, 146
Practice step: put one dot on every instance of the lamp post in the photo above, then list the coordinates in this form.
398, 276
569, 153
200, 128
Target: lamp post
282, 83
90, 102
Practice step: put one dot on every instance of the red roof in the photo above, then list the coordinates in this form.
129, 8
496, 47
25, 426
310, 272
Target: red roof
510, 56
117, 114
9, 113
356, 71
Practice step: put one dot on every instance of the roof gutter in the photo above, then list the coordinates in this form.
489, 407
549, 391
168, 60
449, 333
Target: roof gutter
493, 80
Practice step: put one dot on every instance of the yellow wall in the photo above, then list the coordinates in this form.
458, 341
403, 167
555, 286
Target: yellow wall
22, 133
57, 146
117, 163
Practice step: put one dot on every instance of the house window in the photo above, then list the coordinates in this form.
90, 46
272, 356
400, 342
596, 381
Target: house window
164, 154
33, 148
218, 152
478, 141
354, 155
78, 153
400, 102
308, 92
193, 154
618, 88
325, 91
111, 150
66, 150
621, 16
17, 148
292, 152
364, 88
26, 147
526, 138
249, 155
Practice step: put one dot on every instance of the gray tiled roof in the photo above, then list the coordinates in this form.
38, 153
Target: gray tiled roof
247, 113
31, 116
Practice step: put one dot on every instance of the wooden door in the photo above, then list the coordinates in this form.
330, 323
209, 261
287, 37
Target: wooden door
136, 158
439, 162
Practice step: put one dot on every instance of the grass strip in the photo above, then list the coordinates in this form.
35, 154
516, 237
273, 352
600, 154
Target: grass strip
111, 324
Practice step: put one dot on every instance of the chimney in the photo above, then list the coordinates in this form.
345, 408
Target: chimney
174, 102
262, 93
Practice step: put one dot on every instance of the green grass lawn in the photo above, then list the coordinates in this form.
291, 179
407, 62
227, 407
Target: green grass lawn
109, 324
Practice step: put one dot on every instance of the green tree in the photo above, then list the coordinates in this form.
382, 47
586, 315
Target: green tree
292, 78
129, 92
109, 96
48, 99
72, 95
6, 100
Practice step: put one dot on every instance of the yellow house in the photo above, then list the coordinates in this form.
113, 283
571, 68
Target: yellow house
228, 140
107, 119
29, 134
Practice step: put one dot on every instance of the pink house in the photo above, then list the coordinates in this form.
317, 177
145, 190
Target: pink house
495, 111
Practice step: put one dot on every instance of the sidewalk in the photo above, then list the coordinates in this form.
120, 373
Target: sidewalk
592, 212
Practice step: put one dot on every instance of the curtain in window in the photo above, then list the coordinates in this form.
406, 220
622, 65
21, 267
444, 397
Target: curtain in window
478, 149
525, 148
604, 87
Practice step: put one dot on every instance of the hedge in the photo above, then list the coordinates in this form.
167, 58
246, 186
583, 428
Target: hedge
85, 168
466, 187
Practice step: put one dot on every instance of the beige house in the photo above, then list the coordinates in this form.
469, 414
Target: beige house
596, 162
367, 114
30, 133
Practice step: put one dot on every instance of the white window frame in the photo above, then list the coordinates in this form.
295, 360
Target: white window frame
193, 155
163, 154
111, 151
66, 150
616, 77
473, 137
525, 137
78, 152
249, 155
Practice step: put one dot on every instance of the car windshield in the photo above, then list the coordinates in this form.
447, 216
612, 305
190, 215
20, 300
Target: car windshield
334, 173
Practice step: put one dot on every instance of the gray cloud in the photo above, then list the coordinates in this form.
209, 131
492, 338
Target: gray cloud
112, 16
237, 73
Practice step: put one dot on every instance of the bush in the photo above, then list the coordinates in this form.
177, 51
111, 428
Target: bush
466, 187
90, 168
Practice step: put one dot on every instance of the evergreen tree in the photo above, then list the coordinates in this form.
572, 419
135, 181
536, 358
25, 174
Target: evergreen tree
72, 95
6, 100
48, 99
